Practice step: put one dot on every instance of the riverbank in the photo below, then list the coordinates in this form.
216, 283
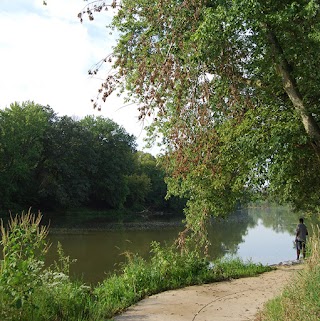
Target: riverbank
80, 223
32, 291
116, 226
55, 295
237, 300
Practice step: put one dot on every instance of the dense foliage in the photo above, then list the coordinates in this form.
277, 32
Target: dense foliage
233, 88
53, 163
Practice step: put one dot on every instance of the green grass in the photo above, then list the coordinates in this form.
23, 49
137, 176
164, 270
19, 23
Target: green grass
166, 270
300, 300
30, 291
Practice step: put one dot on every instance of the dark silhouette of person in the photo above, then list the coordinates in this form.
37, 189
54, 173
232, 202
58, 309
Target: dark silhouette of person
301, 238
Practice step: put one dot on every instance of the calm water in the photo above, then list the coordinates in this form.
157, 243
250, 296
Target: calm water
259, 235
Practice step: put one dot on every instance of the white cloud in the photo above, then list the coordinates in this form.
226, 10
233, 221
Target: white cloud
45, 56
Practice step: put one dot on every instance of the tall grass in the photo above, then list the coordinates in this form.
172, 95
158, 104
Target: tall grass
31, 291
28, 289
166, 270
300, 300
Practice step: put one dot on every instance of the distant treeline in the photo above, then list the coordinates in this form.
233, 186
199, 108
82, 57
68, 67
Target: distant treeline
52, 163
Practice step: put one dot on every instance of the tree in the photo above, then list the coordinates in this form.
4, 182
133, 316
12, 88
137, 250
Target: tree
147, 187
22, 133
68, 163
233, 87
114, 149
156, 199
139, 186
148, 165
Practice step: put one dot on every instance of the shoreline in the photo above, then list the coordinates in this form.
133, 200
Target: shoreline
149, 223
116, 227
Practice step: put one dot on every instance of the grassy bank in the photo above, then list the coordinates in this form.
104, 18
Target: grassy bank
300, 300
30, 291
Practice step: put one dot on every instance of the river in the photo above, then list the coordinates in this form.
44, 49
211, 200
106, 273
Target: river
260, 235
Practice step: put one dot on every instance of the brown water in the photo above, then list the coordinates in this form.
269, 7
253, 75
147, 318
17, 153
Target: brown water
260, 235
101, 252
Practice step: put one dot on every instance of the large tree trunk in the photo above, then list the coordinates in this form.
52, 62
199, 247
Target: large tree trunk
292, 90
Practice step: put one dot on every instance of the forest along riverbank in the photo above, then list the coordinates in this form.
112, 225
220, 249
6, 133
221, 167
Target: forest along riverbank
234, 300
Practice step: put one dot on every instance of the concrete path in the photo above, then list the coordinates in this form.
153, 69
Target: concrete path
235, 300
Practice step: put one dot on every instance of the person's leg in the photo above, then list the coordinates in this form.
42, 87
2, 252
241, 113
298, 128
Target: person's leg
304, 249
298, 246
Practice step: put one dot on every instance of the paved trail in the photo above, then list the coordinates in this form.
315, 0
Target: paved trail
236, 300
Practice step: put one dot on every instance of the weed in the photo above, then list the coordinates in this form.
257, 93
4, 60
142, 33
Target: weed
24, 247
29, 290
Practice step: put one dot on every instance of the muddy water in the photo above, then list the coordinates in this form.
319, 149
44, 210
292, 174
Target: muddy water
260, 235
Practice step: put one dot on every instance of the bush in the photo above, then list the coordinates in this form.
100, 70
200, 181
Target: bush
28, 290
24, 247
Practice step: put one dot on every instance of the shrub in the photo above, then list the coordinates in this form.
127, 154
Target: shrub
24, 248
28, 289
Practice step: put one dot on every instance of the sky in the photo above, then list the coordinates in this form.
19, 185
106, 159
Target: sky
45, 55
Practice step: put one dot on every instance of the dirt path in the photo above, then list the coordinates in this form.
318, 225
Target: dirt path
236, 300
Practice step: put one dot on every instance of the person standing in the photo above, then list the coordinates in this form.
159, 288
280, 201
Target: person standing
301, 238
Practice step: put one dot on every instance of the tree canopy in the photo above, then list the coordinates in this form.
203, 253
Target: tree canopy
22, 131
233, 87
57, 163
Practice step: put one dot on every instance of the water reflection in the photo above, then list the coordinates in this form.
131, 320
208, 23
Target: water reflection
260, 235
271, 239
226, 235
267, 245
279, 219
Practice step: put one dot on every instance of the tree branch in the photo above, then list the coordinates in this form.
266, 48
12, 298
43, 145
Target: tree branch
291, 88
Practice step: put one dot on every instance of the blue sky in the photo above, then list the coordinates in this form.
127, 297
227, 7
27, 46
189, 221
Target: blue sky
45, 57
